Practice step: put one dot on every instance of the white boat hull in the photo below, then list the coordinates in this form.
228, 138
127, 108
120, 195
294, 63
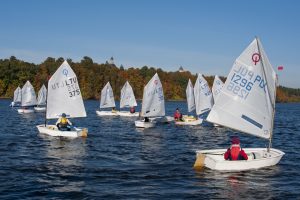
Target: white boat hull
106, 113
52, 130
190, 121
143, 124
40, 109
257, 158
25, 111
128, 114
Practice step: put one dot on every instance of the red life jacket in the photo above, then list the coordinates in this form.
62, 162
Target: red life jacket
235, 151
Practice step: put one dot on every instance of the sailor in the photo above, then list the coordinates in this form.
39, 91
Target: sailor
235, 152
177, 115
63, 123
132, 109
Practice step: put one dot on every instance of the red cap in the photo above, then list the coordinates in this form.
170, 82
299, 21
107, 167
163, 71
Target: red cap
235, 140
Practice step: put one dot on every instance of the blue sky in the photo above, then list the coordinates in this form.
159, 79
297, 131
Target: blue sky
202, 36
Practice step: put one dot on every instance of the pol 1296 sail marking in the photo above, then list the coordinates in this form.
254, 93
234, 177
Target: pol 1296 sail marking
242, 81
71, 84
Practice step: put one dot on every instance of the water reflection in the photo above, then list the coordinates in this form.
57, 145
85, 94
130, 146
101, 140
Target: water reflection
64, 160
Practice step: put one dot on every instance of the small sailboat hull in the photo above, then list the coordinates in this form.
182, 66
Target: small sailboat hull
189, 120
40, 109
25, 111
52, 130
257, 158
128, 114
106, 113
143, 124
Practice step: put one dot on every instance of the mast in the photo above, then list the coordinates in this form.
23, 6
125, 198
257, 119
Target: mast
273, 105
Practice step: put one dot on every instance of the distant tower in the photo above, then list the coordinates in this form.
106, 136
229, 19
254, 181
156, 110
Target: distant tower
181, 69
111, 61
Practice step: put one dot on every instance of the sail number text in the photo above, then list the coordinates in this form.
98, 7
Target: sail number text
71, 85
243, 80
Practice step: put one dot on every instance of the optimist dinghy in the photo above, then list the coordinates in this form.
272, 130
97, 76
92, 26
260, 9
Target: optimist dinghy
127, 100
64, 96
199, 99
107, 100
216, 89
17, 97
247, 104
28, 99
153, 103
41, 101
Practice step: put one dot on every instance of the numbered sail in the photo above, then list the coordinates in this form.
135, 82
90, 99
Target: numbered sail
107, 97
203, 95
247, 101
18, 95
127, 96
28, 95
64, 94
42, 96
153, 98
190, 97
216, 88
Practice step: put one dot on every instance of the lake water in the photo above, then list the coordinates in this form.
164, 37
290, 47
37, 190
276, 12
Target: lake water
118, 161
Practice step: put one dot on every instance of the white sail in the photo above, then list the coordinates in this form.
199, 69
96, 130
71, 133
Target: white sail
127, 96
153, 98
64, 94
203, 95
42, 96
247, 101
190, 96
216, 88
107, 97
18, 95
28, 95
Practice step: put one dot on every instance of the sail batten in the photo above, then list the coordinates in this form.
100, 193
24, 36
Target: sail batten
64, 95
153, 98
247, 100
127, 96
107, 97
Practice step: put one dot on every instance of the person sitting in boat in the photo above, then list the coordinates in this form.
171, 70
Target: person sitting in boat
132, 110
63, 123
235, 152
177, 115
114, 110
146, 119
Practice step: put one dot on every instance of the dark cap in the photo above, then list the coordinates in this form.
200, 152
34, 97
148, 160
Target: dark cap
235, 140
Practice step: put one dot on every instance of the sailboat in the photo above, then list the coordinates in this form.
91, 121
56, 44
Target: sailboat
17, 97
216, 89
28, 99
64, 96
203, 96
41, 100
107, 100
247, 104
153, 103
189, 120
127, 100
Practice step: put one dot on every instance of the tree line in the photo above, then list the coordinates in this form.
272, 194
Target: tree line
92, 78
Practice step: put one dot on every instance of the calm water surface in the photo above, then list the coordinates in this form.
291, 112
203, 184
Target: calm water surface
118, 161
